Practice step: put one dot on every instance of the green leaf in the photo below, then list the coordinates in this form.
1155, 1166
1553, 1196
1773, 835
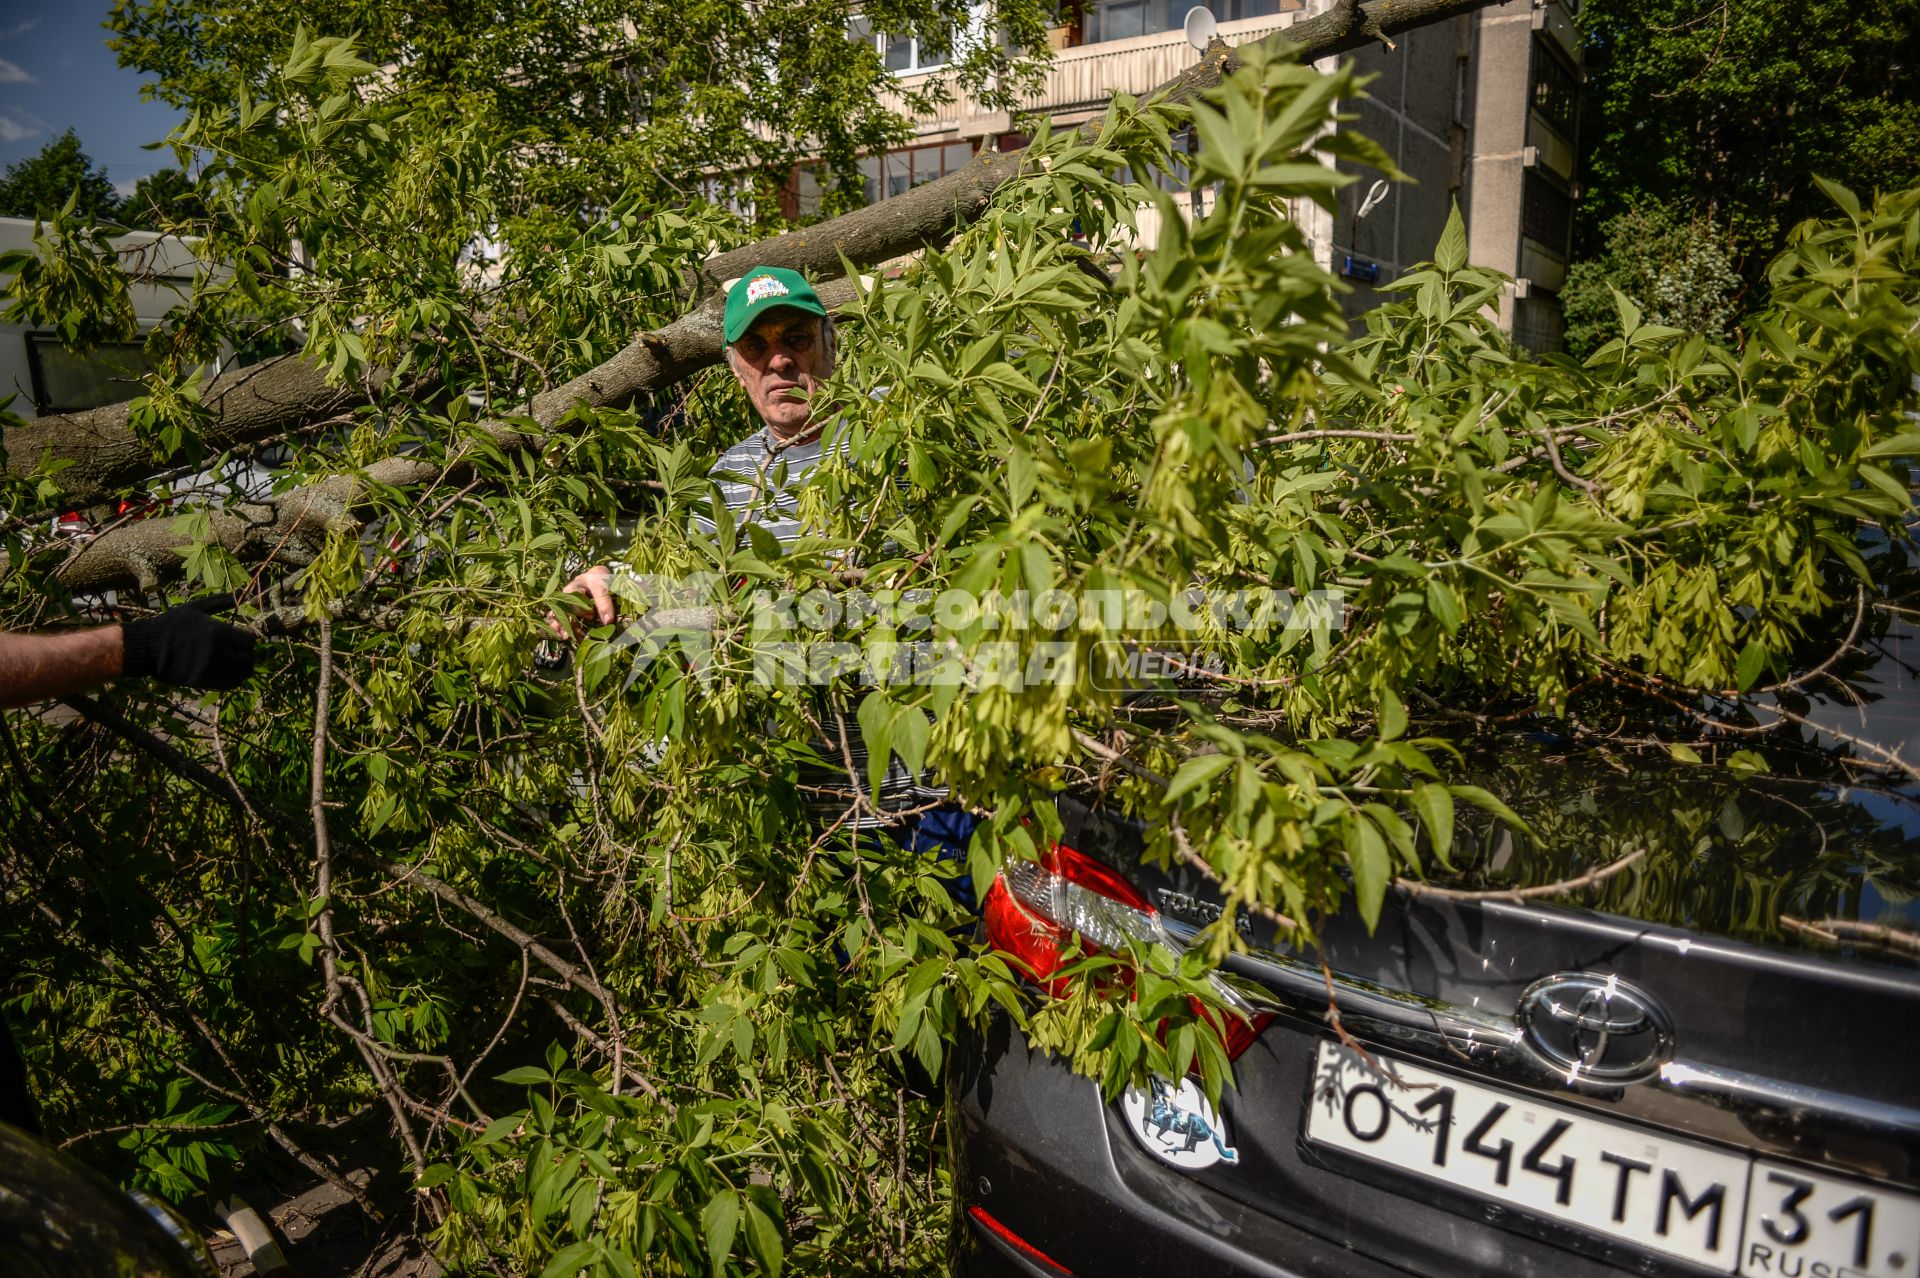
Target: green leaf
569, 1260
498, 1129
1038, 568
1444, 604
876, 716
719, 1220
1221, 150
1197, 772
1372, 867
1885, 483
763, 1239
1393, 715
1752, 663
438, 1174
925, 977
911, 732
920, 468
1682, 754
526, 1075
1902, 445
1450, 254
1487, 801
1435, 806
1846, 199
1629, 313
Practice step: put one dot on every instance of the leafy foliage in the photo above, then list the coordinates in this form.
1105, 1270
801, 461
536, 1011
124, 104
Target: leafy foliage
163, 200
579, 943
1674, 267
587, 102
1726, 112
70, 281
40, 185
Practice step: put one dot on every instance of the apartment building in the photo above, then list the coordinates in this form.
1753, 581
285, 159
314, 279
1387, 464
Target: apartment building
1482, 109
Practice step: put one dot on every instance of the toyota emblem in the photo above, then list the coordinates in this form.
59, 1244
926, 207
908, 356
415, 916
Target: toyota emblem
1595, 1026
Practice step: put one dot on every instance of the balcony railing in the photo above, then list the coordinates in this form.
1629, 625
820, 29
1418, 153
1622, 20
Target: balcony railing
1079, 80
1082, 78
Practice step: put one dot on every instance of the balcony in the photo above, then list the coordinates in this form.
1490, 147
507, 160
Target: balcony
1079, 80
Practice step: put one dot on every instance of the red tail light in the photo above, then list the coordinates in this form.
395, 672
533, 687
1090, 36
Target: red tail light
1035, 908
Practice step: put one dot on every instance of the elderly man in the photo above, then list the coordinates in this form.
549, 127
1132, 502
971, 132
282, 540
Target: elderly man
780, 346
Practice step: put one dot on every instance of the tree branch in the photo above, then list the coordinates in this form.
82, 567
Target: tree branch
244, 406
229, 792
1599, 874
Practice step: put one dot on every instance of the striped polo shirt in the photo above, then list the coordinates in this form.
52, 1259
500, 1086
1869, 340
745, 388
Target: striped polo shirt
759, 482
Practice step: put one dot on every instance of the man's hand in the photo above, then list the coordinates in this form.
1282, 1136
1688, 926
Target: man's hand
595, 583
185, 646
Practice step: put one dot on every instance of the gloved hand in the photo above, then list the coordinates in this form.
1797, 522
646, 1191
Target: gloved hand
187, 647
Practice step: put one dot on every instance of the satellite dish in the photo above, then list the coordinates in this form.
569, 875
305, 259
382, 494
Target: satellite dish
1202, 27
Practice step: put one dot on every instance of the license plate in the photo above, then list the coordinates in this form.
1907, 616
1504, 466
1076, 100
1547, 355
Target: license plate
1727, 1211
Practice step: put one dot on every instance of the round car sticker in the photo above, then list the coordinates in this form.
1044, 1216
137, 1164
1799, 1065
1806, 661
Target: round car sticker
1177, 1125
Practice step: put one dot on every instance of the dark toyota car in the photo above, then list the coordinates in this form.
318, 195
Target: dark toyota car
1707, 1062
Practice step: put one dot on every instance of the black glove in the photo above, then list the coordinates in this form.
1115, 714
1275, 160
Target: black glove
187, 647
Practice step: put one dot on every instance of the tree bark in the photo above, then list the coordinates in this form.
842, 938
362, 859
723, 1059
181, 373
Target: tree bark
244, 406
283, 394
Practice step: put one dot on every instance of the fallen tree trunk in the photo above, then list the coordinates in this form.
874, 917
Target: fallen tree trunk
244, 406
291, 527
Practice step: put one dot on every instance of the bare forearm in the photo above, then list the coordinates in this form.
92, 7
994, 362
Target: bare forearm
39, 667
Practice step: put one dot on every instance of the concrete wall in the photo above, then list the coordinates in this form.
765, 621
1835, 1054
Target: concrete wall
1454, 106
1497, 141
1413, 109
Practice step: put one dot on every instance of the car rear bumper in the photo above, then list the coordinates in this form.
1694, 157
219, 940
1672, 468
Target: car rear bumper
1035, 1147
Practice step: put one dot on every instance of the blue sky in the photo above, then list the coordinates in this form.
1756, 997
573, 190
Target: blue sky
56, 73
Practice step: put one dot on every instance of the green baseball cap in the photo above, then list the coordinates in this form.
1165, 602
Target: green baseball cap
763, 289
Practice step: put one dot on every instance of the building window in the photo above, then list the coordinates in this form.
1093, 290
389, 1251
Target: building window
804, 194
1546, 213
905, 54
899, 171
1122, 19
1556, 88
63, 382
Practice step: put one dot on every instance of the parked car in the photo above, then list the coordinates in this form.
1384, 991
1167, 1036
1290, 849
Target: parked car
1707, 1063
61, 1219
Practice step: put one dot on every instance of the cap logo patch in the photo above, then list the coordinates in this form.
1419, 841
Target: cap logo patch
765, 286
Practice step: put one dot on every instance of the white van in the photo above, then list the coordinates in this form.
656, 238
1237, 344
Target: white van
44, 377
